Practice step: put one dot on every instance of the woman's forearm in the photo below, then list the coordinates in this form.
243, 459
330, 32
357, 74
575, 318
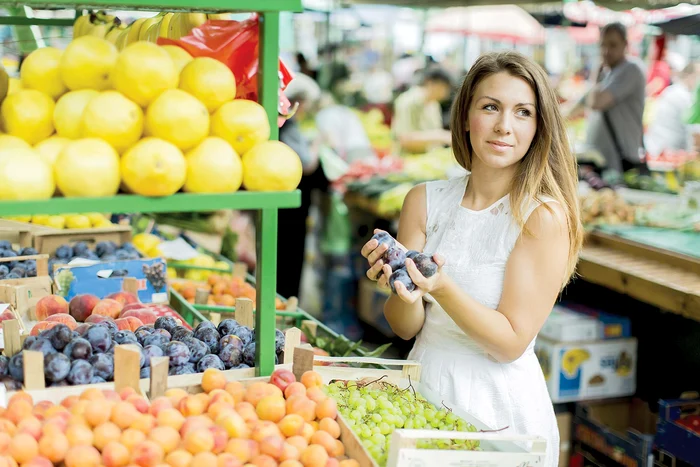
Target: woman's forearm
488, 327
405, 319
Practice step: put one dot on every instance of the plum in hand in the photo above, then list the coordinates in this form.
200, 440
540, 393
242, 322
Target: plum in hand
383, 237
425, 265
395, 258
402, 276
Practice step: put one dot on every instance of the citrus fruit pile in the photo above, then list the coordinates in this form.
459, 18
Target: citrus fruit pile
66, 221
226, 425
90, 120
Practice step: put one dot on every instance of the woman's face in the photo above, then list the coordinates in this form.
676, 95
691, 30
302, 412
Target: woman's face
502, 120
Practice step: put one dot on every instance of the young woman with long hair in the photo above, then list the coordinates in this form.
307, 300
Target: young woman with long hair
506, 238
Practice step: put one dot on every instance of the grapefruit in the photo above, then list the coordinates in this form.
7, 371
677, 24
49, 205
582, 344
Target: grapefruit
179, 55
143, 71
28, 114
24, 176
271, 166
40, 71
242, 123
87, 63
179, 118
213, 167
50, 148
153, 167
68, 114
114, 118
210, 81
87, 167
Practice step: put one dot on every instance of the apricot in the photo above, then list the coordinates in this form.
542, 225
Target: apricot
144, 422
170, 417
167, 437
327, 408
115, 454
38, 461
30, 425
218, 409
23, 447
131, 438
236, 389
298, 442
179, 458
192, 405
291, 463
204, 459
322, 438
69, 401
311, 379
263, 460
242, 449
54, 447
82, 456
126, 392
147, 454
330, 426
263, 429
272, 408
175, 394
40, 409
213, 379
314, 456
105, 433
349, 463
195, 423
233, 424
273, 446
124, 414
79, 434
338, 450
290, 452
98, 412
4, 443
111, 395
308, 431
301, 405
332, 462
139, 403
227, 460
159, 404
199, 440
247, 411
294, 388
18, 410
291, 425
316, 394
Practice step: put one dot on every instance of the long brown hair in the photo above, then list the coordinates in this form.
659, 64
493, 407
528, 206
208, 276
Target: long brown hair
548, 168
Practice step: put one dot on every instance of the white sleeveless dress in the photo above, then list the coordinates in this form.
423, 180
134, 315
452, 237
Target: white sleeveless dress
476, 246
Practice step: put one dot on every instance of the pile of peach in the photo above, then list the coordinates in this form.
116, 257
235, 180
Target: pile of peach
223, 290
282, 423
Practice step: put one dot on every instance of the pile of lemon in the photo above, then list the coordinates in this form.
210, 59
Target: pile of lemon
67, 221
150, 120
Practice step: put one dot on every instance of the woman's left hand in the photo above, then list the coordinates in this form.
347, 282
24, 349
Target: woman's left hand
424, 285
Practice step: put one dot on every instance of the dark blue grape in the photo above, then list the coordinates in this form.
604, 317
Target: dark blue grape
56, 367
81, 372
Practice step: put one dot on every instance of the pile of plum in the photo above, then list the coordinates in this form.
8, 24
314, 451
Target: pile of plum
104, 251
86, 355
16, 269
395, 257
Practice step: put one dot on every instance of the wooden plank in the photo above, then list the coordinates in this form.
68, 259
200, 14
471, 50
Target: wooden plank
33, 369
159, 376
303, 361
10, 335
244, 312
127, 367
353, 446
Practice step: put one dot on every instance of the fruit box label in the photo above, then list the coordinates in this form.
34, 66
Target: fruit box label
105, 278
588, 370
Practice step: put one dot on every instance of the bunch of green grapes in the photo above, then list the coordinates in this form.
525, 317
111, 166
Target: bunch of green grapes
64, 279
375, 411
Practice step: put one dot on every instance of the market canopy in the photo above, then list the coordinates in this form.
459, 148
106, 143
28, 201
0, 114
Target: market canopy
612, 4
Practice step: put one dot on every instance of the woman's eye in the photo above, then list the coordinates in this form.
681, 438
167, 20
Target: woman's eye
489, 107
524, 113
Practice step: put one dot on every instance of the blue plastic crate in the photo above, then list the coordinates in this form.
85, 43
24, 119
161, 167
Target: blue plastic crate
677, 440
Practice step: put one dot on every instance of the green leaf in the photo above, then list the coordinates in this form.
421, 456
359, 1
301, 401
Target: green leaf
378, 351
352, 348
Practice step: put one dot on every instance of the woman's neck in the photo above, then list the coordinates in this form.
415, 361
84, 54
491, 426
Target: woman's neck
486, 186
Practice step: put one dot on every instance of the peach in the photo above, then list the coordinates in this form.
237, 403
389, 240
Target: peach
144, 315
82, 456
179, 458
271, 408
314, 456
108, 307
134, 306
81, 306
6, 316
147, 454
311, 379
213, 379
50, 305
105, 433
294, 388
94, 319
125, 298
23, 447
41, 326
128, 324
242, 449
227, 460
63, 318
115, 454
327, 408
199, 440
83, 327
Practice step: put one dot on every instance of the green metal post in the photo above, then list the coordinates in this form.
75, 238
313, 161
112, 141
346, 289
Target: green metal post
266, 279
269, 68
28, 37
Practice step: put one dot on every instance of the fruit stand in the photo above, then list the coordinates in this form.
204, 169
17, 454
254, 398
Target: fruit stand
266, 204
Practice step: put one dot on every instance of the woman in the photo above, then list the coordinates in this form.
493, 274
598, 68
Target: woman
506, 238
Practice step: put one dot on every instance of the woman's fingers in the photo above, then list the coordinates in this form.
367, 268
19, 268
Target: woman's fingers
439, 260
378, 252
383, 281
404, 294
415, 275
374, 271
369, 248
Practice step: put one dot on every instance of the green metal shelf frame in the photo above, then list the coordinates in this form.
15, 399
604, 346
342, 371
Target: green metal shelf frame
266, 205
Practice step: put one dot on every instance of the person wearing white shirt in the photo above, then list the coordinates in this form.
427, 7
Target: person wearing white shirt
668, 130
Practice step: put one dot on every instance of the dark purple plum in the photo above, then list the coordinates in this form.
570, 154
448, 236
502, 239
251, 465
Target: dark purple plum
384, 238
145, 372
279, 341
29, 341
103, 366
163, 333
395, 257
56, 367
60, 384
11, 384
412, 254
204, 324
227, 326
82, 328
249, 354
180, 333
16, 367
209, 336
4, 362
99, 338
97, 380
402, 276
165, 322
178, 353
245, 334
186, 369
42, 345
231, 354
156, 339
148, 352
110, 325
198, 349
230, 339
240, 366
81, 372
425, 265
75, 334
143, 332
47, 333
61, 336
78, 349
125, 337
210, 361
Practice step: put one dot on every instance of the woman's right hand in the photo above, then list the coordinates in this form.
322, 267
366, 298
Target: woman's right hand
374, 252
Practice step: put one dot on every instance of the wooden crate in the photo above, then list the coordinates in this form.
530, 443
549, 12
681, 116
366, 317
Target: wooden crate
19, 233
48, 241
23, 294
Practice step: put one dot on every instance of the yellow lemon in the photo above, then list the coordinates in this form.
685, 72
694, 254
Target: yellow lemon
180, 56
213, 167
95, 217
145, 242
153, 167
14, 86
179, 118
40, 219
68, 114
143, 71
87, 63
114, 118
50, 148
40, 71
57, 222
28, 114
210, 81
18, 218
242, 123
87, 168
8, 142
271, 166
77, 221
25, 177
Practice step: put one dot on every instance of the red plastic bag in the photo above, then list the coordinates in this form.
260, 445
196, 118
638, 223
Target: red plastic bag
235, 43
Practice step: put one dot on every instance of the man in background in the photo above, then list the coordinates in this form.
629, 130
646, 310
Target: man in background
417, 124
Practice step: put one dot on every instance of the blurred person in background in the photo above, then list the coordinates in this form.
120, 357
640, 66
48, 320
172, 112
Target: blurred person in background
668, 130
616, 106
417, 124
659, 76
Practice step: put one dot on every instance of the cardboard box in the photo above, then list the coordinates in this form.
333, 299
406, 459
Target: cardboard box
19, 233
613, 326
23, 294
564, 325
577, 371
613, 433
674, 439
48, 241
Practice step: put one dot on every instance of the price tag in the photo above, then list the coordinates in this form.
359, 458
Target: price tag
161, 297
177, 249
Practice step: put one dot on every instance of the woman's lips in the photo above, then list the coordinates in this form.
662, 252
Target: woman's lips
499, 145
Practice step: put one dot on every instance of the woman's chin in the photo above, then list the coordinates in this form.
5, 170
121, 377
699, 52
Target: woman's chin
497, 161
